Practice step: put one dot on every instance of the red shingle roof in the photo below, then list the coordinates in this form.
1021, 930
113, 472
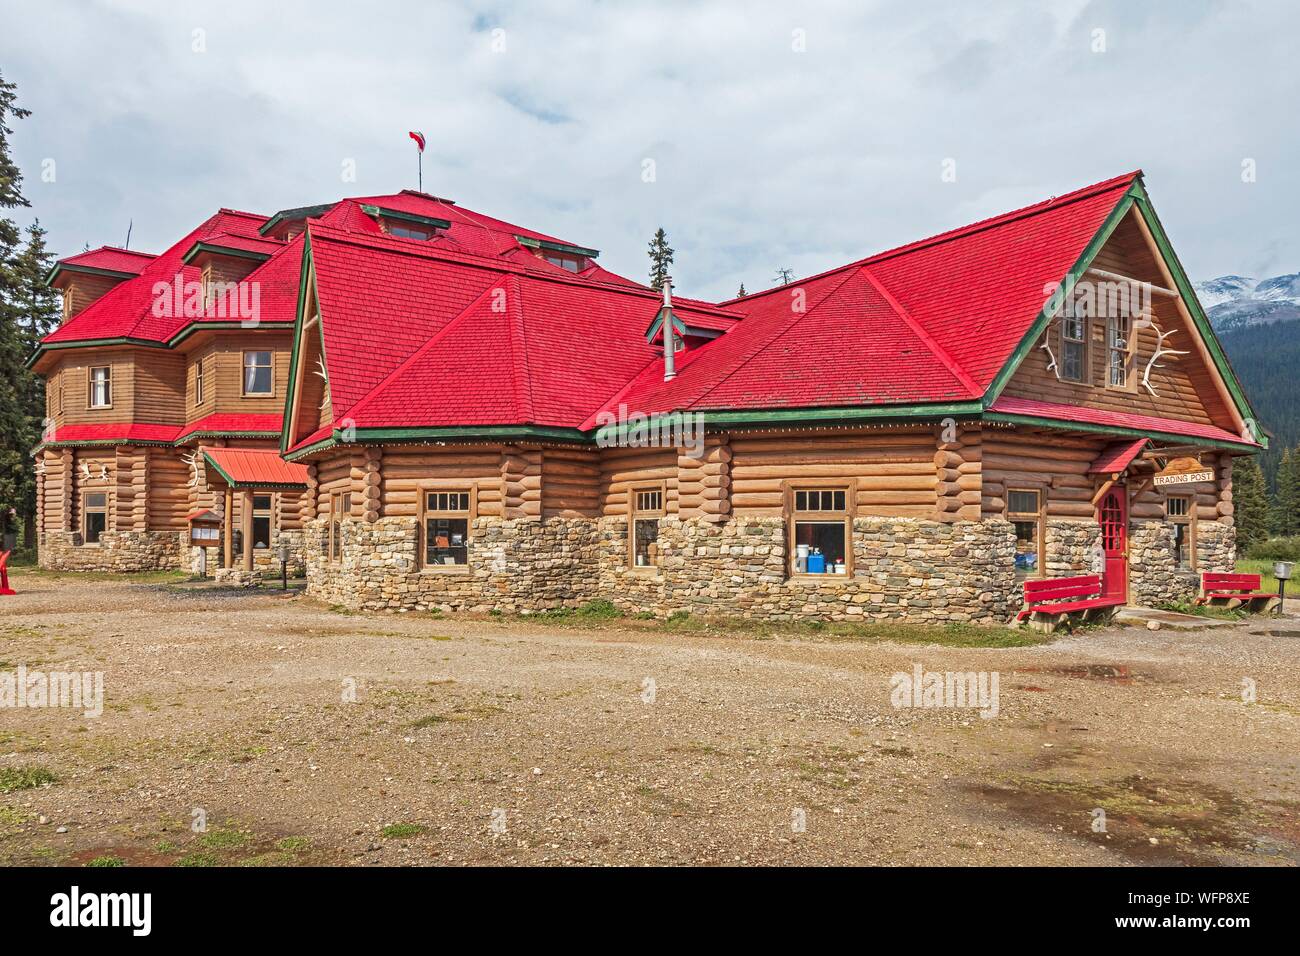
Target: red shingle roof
111, 258
246, 467
1117, 456
1009, 405
232, 424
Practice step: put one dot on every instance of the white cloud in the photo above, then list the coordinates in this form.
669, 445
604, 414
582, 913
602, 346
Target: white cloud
766, 157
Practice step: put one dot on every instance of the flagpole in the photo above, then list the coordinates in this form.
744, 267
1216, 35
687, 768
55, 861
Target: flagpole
419, 165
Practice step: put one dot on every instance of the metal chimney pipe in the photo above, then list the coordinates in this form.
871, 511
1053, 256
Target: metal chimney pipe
670, 336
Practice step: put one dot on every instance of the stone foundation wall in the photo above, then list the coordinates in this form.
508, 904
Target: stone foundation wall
514, 566
1154, 578
1073, 548
266, 561
116, 551
904, 569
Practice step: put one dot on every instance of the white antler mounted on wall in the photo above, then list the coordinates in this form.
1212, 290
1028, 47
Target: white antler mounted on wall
1160, 352
85, 471
325, 381
192, 460
1051, 357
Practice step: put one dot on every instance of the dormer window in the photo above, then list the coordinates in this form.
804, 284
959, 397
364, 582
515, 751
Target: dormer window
568, 263
412, 232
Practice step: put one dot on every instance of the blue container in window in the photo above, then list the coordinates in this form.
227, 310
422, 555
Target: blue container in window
816, 563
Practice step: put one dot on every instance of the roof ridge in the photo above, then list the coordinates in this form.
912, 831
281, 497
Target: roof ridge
767, 342
523, 376
385, 244
928, 340
959, 232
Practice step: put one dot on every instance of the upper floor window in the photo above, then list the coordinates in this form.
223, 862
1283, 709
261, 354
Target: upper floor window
198, 382
101, 386
258, 379
1074, 348
1118, 350
411, 232
568, 263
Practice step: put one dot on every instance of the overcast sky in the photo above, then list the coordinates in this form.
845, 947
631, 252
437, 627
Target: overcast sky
778, 135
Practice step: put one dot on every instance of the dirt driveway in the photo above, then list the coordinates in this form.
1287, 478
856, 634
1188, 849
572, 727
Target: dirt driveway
516, 742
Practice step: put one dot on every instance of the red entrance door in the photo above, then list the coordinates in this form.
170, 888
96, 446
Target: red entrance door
1113, 518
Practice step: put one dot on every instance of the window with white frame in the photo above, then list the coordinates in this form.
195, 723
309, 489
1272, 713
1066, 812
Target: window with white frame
258, 378
101, 386
1074, 348
1118, 350
94, 516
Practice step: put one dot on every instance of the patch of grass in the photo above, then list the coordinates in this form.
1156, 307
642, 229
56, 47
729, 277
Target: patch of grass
1204, 610
167, 846
401, 831
294, 844
199, 859
106, 861
12, 817
1264, 568
428, 721
24, 778
590, 612
128, 577
224, 838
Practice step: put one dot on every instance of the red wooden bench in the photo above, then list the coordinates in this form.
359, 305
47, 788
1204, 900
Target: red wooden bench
1046, 601
1236, 589
4, 574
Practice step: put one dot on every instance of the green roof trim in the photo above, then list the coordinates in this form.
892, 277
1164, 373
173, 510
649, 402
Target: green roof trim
306, 269
848, 414
1134, 198
217, 249
1058, 297
1194, 309
262, 325
86, 270
532, 243
90, 343
431, 221
292, 215
678, 325
248, 484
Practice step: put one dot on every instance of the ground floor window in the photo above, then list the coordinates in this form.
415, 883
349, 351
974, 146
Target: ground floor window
445, 528
261, 521
1025, 512
1179, 513
340, 507
647, 509
94, 516
819, 531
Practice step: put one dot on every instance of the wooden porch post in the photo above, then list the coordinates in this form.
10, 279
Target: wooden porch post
246, 523
227, 531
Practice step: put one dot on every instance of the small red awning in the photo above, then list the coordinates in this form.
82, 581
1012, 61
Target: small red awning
255, 468
1117, 456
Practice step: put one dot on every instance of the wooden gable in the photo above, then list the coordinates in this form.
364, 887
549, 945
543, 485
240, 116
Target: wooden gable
1184, 387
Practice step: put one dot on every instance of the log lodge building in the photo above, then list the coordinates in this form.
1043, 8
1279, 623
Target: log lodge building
428, 407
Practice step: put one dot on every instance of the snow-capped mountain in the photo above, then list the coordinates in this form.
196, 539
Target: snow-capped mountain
1233, 302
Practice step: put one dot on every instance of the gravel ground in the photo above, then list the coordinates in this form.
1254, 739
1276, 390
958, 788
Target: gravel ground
482, 741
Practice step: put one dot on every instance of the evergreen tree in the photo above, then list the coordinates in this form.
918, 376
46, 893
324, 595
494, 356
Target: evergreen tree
1250, 504
742, 293
785, 276
16, 435
1286, 499
661, 257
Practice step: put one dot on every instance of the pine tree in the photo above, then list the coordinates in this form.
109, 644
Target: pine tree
1250, 504
1286, 499
16, 438
742, 293
785, 276
661, 257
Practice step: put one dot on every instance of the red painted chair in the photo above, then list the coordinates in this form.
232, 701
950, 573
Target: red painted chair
1047, 601
4, 574
1236, 589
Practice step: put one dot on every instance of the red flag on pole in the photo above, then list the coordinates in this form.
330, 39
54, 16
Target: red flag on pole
419, 139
